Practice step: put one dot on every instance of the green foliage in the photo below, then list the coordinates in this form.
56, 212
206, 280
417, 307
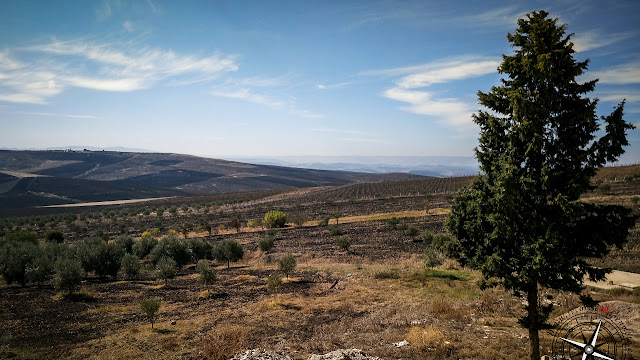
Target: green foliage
131, 266
15, 259
267, 243
228, 250
143, 247
402, 226
68, 275
150, 307
393, 222
86, 251
411, 231
431, 257
108, 260
635, 199
254, 223
324, 221
274, 218
21, 236
200, 249
236, 222
40, 269
54, 235
274, 282
272, 232
344, 242
125, 243
171, 247
441, 240
166, 269
287, 264
427, 237
335, 230
207, 274
522, 222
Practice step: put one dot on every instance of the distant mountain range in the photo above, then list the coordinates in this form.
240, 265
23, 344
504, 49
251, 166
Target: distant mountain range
438, 166
37, 178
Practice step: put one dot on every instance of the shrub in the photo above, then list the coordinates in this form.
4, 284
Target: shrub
402, 226
143, 247
335, 230
15, 259
274, 218
431, 257
393, 222
207, 274
635, 199
288, 264
272, 232
150, 307
324, 221
54, 235
155, 232
108, 260
440, 240
298, 218
254, 223
131, 266
427, 237
86, 251
274, 282
68, 275
266, 244
22, 236
41, 268
125, 243
228, 250
236, 223
200, 249
166, 269
171, 247
344, 242
411, 231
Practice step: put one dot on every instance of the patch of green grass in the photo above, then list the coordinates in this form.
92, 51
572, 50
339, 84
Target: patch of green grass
447, 274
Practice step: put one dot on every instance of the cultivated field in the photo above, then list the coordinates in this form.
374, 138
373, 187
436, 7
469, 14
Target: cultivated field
371, 296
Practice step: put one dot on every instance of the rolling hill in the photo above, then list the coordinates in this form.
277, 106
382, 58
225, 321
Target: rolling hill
39, 178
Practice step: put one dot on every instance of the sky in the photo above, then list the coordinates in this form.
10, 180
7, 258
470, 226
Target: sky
283, 78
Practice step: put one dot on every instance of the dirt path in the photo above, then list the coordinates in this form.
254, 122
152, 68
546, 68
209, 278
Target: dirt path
617, 279
102, 203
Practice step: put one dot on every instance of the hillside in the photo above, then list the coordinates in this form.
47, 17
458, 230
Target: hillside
38, 178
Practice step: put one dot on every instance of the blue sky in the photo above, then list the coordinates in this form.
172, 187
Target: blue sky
278, 78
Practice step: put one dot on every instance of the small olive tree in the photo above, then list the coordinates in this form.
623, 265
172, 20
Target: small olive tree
166, 269
68, 275
150, 307
274, 282
207, 274
228, 250
288, 264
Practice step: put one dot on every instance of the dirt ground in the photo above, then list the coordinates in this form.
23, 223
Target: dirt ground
370, 298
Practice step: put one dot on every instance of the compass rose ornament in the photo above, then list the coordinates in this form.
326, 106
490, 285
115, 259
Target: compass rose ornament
607, 336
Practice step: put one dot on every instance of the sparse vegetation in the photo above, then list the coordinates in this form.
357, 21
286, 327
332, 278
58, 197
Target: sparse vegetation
287, 264
206, 274
344, 242
150, 307
274, 219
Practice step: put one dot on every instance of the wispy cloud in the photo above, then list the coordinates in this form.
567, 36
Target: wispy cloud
594, 39
628, 73
365, 140
338, 131
245, 90
412, 88
56, 65
334, 86
72, 116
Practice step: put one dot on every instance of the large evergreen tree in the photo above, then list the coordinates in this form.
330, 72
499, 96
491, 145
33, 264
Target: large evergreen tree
522, 222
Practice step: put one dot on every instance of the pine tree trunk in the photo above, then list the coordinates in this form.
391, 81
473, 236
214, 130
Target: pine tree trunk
534, 340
